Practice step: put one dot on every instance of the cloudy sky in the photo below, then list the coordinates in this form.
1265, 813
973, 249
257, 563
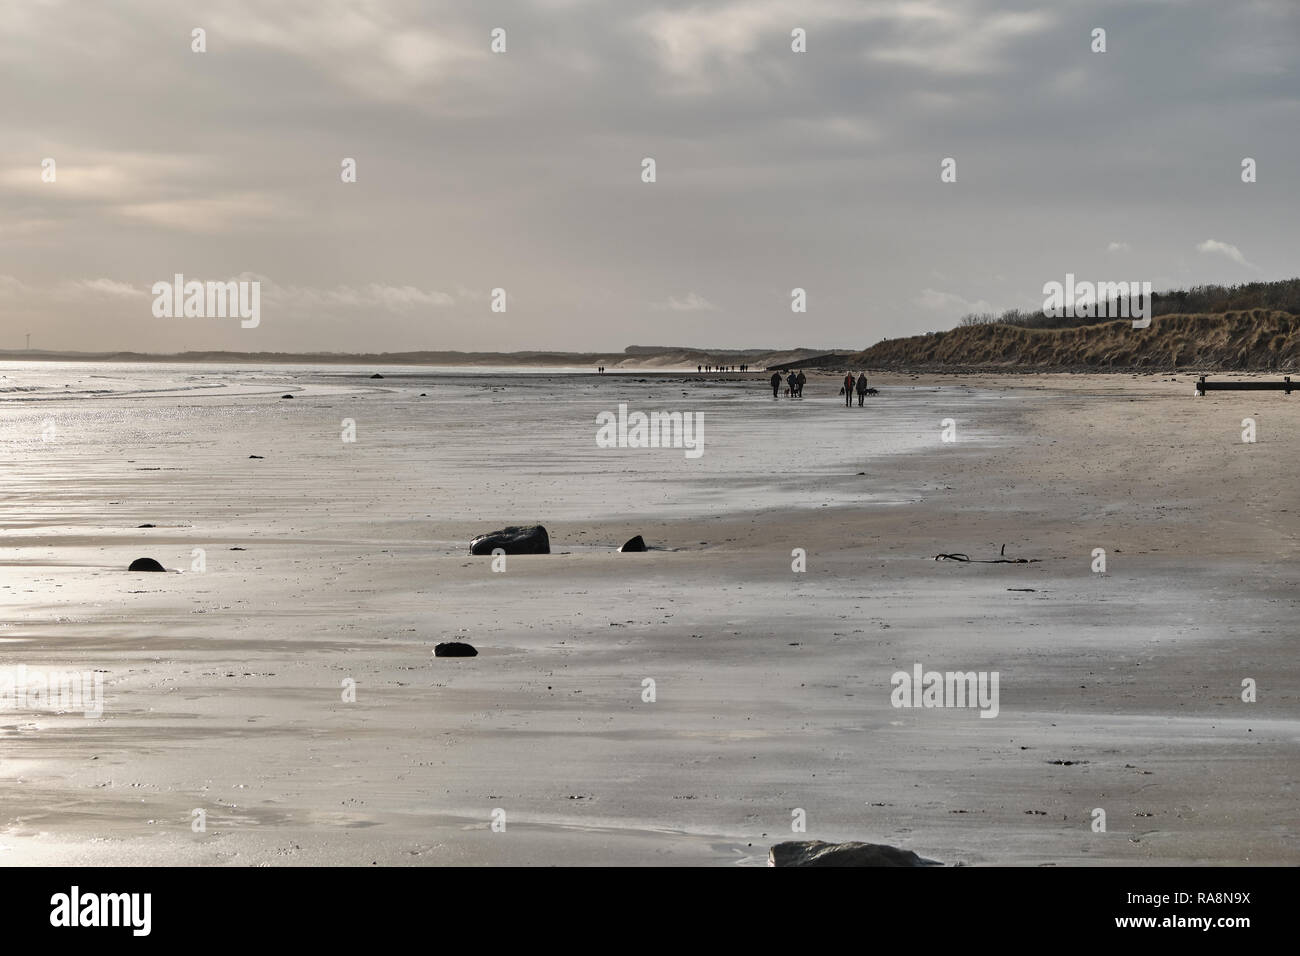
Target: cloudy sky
522, 170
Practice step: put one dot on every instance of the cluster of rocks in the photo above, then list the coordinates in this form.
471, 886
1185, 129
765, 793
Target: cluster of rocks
516, 539
531, 539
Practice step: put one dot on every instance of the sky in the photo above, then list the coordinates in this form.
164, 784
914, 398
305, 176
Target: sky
522, 170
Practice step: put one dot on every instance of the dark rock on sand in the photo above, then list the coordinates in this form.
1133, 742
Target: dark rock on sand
634, 544
145, 526
255, 456
286, 396
455, 649
516, 539
145, 564
376, 375
818, 853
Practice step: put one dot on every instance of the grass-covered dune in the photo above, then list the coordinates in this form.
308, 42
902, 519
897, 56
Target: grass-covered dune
1248, 340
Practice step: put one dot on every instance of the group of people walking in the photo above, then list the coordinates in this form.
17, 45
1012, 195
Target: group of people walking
850, 383
794, 383
722, 368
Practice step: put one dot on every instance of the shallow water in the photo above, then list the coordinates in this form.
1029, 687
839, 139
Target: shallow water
470, 449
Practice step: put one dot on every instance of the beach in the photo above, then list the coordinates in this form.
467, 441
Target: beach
225, 682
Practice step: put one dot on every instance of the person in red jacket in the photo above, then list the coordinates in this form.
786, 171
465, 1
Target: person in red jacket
848, 389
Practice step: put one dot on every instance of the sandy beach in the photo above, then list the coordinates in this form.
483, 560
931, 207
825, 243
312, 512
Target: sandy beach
223, 687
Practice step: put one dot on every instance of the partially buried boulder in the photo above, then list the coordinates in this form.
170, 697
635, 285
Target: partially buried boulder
286, 396
455, 649
634, 544
145, 564
517, 539
376, 375
818, 853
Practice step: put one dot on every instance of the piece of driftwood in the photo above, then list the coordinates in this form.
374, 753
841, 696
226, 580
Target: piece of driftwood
959, 556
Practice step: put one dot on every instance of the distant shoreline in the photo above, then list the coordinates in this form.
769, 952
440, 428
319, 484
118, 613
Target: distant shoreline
1237, 342
634, 358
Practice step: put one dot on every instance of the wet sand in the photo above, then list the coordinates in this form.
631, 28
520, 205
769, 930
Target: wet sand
1118, 691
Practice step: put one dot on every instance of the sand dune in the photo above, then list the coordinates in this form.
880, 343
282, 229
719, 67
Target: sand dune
1257, 340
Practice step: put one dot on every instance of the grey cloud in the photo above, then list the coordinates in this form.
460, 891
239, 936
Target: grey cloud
521, 170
